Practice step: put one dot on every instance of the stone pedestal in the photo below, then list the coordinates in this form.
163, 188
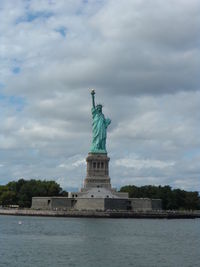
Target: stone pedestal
97, 172
97, 183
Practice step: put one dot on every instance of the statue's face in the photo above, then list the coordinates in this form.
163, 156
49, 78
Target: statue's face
99, 108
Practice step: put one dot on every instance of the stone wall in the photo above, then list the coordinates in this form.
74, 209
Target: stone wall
145, 204
43, 203
62, 203
89, 204
52, 203
106, 214
141, 204
117, 204
65, 203
120, 194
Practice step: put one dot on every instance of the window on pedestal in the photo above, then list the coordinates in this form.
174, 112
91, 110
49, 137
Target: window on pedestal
98, 165
94, 165
102, 165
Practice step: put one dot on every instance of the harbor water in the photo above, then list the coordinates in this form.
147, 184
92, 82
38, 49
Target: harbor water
89, 242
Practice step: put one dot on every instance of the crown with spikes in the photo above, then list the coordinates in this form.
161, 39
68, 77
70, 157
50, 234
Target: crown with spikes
99, 105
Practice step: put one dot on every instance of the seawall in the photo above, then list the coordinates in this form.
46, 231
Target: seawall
104, 214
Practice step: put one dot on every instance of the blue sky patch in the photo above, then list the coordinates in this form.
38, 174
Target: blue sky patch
192, 153
16, 70
31, 16
62, 30
15, 101
18, 102
1, 86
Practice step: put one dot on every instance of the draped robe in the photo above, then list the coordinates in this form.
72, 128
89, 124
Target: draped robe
99, 129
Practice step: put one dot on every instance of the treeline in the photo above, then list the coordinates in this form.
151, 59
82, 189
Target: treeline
172, 199
21, 192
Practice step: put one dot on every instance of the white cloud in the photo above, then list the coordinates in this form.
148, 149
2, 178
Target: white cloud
73, 163
143, 164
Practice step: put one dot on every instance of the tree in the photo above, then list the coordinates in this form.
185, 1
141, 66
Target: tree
8, 198
21, 192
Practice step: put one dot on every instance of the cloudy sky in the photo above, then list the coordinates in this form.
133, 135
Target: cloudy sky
143, 59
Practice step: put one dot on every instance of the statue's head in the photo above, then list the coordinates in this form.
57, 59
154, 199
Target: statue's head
99, 108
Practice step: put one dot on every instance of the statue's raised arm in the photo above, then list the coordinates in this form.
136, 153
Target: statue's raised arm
99, 127
93, 101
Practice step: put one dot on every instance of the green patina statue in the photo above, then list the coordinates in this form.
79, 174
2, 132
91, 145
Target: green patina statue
99, 128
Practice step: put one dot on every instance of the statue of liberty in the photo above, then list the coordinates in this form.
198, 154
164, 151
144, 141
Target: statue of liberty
99, 128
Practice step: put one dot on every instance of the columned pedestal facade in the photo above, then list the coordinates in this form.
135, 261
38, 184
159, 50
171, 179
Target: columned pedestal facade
97, 171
